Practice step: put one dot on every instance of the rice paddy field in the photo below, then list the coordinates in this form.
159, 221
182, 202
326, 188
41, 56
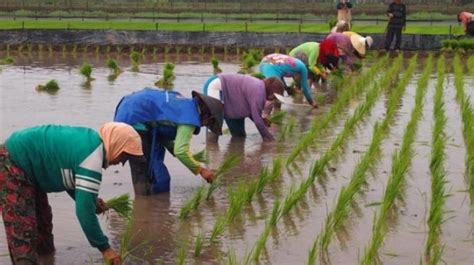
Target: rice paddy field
381, 173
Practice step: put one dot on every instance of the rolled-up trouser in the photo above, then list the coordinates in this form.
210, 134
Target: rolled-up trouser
26, 214
236, 127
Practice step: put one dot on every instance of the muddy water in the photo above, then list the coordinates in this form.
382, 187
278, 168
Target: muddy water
157, 232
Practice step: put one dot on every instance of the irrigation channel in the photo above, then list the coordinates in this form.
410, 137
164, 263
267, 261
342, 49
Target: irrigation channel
372, 176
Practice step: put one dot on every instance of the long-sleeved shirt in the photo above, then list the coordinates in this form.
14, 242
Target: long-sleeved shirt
344, 45
399, 13
63, 158
244, 96
311, 49
282, 65
465, 18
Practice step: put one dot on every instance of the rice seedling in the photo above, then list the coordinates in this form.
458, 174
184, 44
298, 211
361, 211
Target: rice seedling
433, 248
338, 216
215, 66
277, 169
135, 59
7, 60
198, 244
320, 124
122, 205
470, 64
278, 117
192, 204
50, 87
269, 225
467, 119
143, 52
86, 71
181, 260
401, 161
113, 66
313, 251
166, 82
229, 162
287, 129
218, 228
263, 178
236, 200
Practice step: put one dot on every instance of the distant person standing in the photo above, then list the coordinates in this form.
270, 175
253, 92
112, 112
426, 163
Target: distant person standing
396, 13
467, 19
344, 11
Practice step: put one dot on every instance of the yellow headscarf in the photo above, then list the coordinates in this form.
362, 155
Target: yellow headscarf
119, 137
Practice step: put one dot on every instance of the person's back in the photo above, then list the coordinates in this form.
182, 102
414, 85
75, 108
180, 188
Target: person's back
310, 49
36, 151
467, 19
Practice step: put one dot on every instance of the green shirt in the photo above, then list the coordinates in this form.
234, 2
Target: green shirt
311, 49
63, 158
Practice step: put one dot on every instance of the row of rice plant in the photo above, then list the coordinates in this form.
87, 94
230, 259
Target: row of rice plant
466, 44
467, 119
470, 64
295, 194
337, 107
433, 249
401, 161
337, 217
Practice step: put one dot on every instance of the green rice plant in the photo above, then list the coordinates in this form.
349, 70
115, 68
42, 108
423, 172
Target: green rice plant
231, 257
278, 117
470, 65
143, 52
166, 82
51, 87
229, 162
122, 205
269, 225
287, 129
192, 204
181, 260
113, 66
86, 71
338, 216
135, 59
263, 178
215, 65
218, 228
313, 251
467, 117
236, 200
277, 169
198, 244
401, 161
344, 98
251, 191
178, 51
7, 60
436, 214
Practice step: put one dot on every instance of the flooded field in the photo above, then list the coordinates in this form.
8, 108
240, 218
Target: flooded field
331, 202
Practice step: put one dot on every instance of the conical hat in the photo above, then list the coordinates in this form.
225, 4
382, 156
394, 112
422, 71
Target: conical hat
359, 43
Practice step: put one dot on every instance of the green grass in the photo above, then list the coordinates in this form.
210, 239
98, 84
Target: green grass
215, 27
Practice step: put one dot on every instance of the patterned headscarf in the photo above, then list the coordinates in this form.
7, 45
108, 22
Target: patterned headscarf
119, 137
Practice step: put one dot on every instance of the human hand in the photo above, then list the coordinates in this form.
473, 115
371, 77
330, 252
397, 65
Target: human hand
111, 257
390, 15
207, 175
267, 122
100, 206
315, 105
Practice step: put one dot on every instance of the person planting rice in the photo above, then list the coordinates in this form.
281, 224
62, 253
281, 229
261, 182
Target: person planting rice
54, 158
167, 119
245, 96
308, 53
282, 65
349, 45
467, 20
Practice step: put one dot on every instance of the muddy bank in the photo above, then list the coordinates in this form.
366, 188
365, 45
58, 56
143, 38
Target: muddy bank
214, 39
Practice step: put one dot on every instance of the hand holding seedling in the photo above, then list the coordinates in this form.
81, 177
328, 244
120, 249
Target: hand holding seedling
101, 206
207, 175
111, 257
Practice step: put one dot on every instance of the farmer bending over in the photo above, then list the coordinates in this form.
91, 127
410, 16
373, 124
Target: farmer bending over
282, 65
54, 158
245, 96
350, 45
467, 19
167, 119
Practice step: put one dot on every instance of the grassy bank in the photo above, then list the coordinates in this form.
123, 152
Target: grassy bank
216, 27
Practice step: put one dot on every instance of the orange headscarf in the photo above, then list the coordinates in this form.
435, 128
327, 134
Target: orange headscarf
119, 137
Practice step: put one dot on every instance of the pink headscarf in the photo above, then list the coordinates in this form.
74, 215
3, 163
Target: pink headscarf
119, 137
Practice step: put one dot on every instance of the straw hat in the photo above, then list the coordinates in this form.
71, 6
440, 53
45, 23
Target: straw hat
360, 43
212, 109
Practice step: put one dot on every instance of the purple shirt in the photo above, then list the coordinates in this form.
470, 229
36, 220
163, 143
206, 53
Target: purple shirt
245, 96
344, 44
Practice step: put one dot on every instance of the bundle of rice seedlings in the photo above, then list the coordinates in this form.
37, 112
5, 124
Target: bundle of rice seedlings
7, 60
86, 70
113, 66
201, 156
122, 205
215, 65
51, 86
277, 118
